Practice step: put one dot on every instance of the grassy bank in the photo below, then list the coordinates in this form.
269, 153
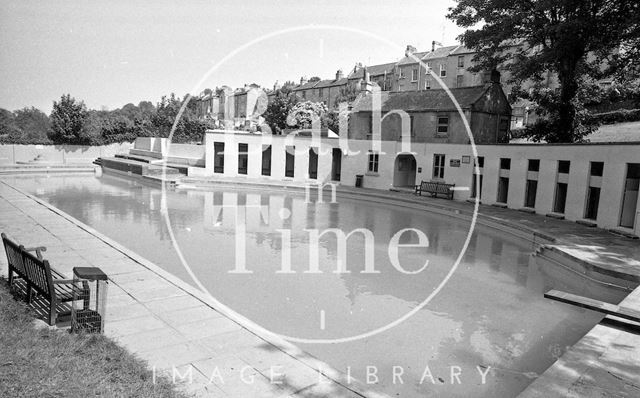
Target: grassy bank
53, 363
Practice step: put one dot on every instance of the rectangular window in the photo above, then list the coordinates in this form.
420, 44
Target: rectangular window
266, 160
313, 163
564, 166
443, 125
443, 70
460, 81
438, 166
374, 158
320, 92
218, 157
304, 94
534, 165
461, 61
289, 163
505, 163
243, 158
427, 83
480, 161
414, 75
597, 169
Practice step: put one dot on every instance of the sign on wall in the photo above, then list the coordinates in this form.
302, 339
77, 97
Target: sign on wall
454, 162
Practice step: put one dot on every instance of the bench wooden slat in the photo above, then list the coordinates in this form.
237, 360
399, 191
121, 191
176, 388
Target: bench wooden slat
435, 188
41, 277
594, 305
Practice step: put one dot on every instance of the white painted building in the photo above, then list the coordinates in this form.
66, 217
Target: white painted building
594, 183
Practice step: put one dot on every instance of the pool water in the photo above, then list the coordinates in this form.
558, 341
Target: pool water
491, 313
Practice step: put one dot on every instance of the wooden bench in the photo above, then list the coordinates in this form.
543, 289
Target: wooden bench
41, 277
435, 188
14, 257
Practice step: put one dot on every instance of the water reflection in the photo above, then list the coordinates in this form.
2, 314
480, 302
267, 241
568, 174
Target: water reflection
491, 313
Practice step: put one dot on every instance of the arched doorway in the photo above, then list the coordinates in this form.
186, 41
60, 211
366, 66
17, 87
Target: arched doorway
404, 171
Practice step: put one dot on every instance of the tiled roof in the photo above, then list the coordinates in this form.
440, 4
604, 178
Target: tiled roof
440, 52
305, 86
331, 83
374, 70
412, 60
462, 50
434, 100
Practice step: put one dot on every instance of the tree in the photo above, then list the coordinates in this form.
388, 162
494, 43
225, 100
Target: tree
570, 38
188, 129
303, 114
34, 125
67, 121
314, 79
276, 114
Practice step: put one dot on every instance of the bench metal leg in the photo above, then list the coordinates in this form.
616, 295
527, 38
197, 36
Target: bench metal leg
28, 298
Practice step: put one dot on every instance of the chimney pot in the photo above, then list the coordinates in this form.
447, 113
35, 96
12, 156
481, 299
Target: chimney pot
409, 51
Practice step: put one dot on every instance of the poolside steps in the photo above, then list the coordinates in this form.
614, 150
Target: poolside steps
154, 172
154, 161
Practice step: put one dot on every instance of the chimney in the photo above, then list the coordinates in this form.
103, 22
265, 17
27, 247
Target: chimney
434, 44
339, 74
409, 51
365, 86
303, 80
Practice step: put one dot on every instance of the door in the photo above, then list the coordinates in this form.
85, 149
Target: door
630, 197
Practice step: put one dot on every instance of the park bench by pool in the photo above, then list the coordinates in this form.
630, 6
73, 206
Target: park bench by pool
38, 275
435, 188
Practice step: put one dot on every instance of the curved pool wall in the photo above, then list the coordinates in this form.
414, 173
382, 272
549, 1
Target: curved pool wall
490, 314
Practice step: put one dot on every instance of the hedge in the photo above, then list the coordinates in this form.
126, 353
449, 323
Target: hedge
619, 116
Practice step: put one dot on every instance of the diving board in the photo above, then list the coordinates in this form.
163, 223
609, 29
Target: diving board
594, 305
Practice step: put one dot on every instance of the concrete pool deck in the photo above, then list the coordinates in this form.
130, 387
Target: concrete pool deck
169, 323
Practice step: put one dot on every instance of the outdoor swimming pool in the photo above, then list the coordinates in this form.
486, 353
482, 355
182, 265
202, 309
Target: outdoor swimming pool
491, 312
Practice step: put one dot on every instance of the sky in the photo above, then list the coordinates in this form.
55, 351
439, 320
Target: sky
115, 52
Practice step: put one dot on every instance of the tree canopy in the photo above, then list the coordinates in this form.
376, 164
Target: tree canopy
578, 40
67, 121
276, 114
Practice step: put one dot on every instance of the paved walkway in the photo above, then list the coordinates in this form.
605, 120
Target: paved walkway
166, 322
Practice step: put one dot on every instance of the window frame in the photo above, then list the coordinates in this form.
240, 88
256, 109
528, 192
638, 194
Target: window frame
439, 125
414, 75
439, 162
373, 162
443, 70
460, 58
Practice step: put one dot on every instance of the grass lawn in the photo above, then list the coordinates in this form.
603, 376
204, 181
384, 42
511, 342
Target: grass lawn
53, 363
